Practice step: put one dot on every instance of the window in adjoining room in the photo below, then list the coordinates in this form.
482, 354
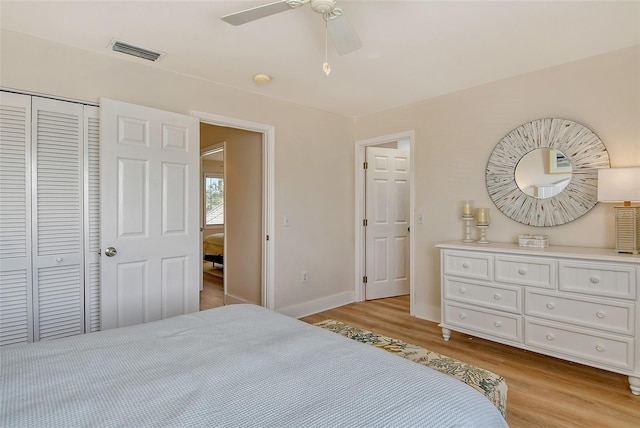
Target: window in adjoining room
213, 199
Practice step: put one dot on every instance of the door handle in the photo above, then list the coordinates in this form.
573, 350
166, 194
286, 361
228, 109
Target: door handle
110, 252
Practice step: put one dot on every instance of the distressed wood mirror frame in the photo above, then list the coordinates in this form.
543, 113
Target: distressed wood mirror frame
580, 145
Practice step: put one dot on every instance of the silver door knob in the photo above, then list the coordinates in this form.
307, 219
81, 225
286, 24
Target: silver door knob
110, 252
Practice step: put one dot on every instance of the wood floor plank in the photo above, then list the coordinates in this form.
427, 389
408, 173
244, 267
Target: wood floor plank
212, 294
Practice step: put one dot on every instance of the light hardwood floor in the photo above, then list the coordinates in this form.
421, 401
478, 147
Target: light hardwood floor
543, 391
212, 294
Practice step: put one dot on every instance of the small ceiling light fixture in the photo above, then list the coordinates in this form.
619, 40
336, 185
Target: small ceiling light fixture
262, 79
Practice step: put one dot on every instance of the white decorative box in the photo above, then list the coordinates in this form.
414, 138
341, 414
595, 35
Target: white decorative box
535, 241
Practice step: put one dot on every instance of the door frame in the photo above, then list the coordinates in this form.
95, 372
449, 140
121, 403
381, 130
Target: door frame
268, 194
360, 146
203, 222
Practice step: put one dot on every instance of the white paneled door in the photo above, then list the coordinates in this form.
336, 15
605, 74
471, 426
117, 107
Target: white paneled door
149, 169
387, 231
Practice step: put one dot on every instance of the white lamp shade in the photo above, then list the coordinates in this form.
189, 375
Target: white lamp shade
619, 184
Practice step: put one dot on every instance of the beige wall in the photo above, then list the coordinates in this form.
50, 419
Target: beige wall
313, 154
456, 133
213, 166
243, 210
314, 175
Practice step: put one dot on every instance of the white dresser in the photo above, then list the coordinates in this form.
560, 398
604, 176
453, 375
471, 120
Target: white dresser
578, 304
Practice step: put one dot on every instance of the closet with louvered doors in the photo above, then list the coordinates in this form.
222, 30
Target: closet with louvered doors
49, 219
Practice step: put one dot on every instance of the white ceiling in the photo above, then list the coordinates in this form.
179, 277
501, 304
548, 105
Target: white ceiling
412, 50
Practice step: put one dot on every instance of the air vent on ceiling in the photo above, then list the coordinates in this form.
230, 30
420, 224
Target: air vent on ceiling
129, 49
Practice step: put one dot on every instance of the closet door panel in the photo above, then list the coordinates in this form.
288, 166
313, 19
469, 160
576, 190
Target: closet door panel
58, 268
15, 219
92, 217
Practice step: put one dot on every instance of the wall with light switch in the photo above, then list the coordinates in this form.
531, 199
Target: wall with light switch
456, 133
315, 156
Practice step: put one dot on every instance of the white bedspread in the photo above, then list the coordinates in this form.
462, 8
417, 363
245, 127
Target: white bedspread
236, 366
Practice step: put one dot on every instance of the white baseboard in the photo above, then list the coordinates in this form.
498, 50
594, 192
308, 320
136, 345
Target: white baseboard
230, 299
427, 312
314, 306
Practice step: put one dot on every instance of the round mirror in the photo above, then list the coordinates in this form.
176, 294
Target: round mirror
570, 149
543, 173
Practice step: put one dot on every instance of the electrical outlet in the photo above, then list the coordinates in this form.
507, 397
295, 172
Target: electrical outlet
304, 276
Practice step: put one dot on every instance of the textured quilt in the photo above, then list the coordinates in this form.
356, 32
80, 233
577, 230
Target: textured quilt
235, 366
490, 384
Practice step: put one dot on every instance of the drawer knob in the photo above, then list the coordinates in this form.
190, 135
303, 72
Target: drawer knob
550, 305
497, 324
497, 296
550, 336
462, 290
522, 271
462, 316
594, 279
465, 265
600, 314
599, 348
59, 259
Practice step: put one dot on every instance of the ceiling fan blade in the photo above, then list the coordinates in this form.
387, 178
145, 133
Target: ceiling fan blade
258, 12
343, 34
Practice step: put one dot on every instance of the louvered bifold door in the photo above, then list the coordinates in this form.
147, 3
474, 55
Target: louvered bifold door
92, 218
15, 219
58, 267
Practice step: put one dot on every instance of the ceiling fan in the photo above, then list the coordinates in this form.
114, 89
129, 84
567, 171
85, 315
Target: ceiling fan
344, 36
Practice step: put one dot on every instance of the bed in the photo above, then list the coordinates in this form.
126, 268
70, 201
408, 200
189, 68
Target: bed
213, 248
234, 366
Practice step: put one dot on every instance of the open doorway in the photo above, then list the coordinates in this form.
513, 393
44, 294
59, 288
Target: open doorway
384, 217
232, 212
248, 182
212, 203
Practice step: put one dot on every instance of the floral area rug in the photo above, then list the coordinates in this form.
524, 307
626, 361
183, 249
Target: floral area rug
490, 384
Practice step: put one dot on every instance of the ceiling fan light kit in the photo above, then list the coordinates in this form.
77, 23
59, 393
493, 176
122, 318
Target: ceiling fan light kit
323, 6
344, 36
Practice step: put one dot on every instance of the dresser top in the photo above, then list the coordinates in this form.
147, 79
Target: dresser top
604, 254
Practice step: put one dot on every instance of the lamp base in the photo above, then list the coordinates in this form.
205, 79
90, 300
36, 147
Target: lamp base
628, 230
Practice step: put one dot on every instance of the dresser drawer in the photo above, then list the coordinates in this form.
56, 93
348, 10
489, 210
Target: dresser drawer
530, 271
502, 325
580, 345
608, 315
483, 294
602, 279
468, 264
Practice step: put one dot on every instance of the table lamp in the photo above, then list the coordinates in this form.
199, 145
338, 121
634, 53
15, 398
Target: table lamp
617, 185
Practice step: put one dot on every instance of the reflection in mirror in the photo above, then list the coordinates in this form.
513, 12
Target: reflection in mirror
543, 173
577, 150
